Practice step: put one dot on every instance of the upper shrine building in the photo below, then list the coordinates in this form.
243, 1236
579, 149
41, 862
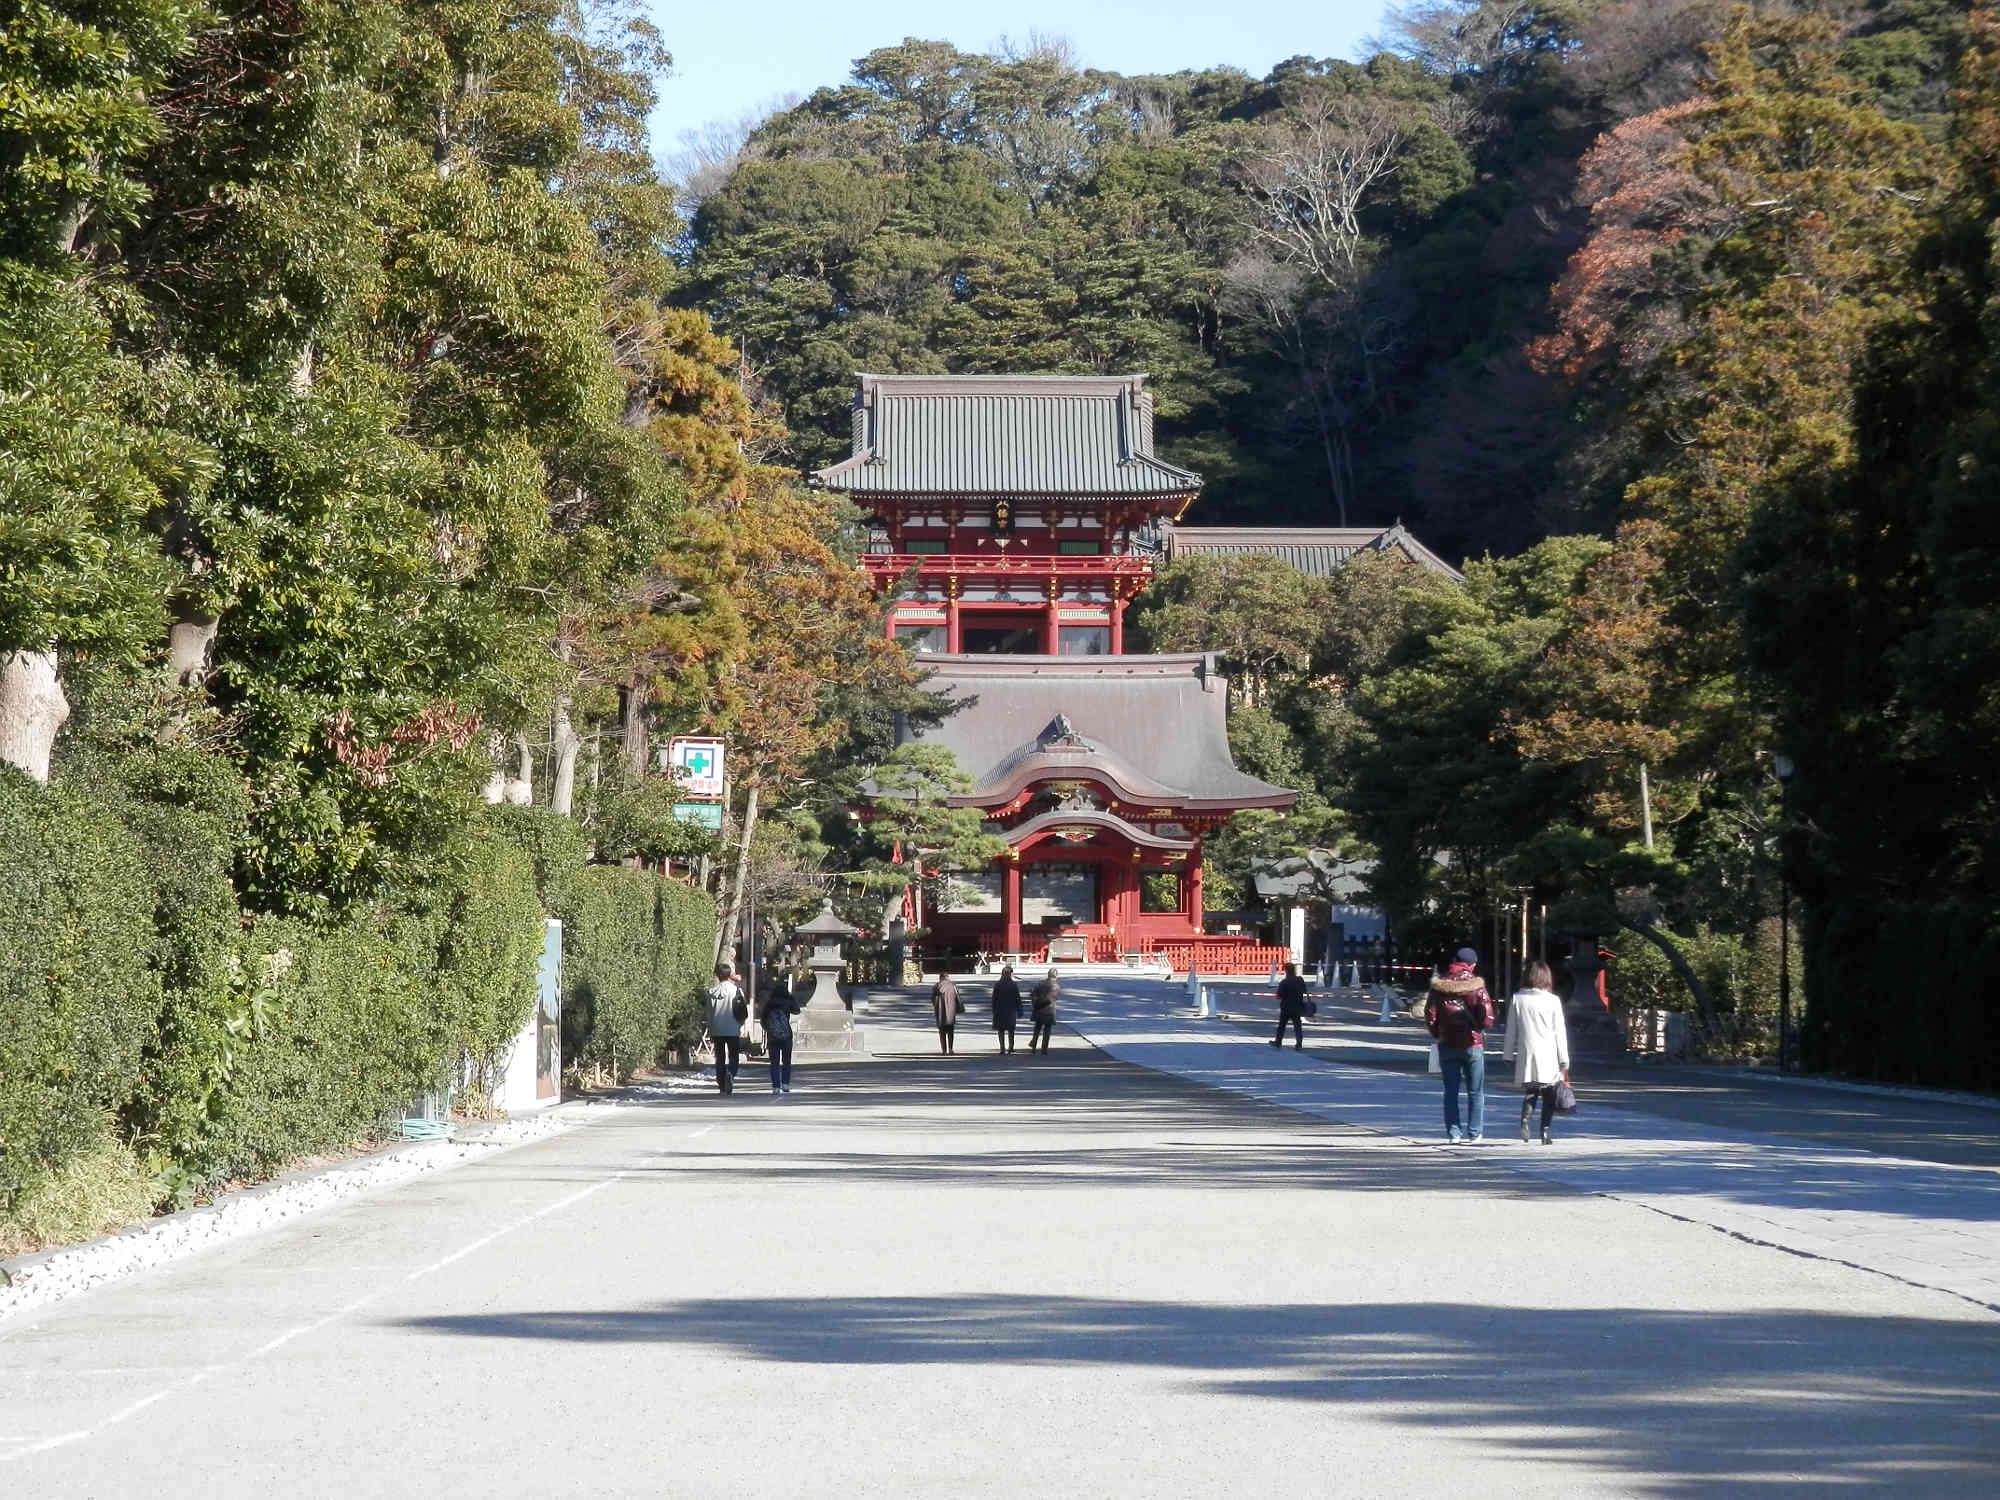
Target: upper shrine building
1014, 518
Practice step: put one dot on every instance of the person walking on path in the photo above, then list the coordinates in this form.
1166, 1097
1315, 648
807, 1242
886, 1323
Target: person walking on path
1457, 1013
1291, 1007
779, 1006
944, 1008
1006, 1007
1044, 1012
1538, 1041
727, 1010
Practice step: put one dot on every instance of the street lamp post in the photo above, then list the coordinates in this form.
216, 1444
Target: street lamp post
1785, 769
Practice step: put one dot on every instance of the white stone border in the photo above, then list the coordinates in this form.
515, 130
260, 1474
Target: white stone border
37, 1280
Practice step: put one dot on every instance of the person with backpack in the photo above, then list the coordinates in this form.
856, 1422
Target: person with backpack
727, 1011
1457, 1013
1043, 1012
1538, 1041
1292, 1005
776, 1012
944, 1010
1006, 1007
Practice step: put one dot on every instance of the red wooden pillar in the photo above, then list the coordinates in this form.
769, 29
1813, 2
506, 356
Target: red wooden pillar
1117, 619
1010, 904
953, 640
1051, 642
1193, 887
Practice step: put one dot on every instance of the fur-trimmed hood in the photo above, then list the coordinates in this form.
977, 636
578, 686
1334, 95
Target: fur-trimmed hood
1470, 984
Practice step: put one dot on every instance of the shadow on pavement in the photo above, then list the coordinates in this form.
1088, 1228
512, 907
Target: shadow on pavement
1683, 1403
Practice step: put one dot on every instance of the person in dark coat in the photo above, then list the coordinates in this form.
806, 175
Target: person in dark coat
776, 1012
1006, 1006
944, 1010
1043, 1012
1291, 1007
1457, 1013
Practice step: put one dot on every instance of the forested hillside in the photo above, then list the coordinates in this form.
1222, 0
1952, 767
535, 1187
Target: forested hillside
1338, 275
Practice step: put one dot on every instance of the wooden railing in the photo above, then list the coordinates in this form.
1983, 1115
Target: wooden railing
1031, 565
1100, 948
1224, 958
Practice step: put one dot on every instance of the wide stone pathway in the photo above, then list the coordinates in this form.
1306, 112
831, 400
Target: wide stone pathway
1931, 1224
1066, 1275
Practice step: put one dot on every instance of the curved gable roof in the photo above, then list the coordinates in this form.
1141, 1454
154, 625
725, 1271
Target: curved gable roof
1155, 725
1005, 435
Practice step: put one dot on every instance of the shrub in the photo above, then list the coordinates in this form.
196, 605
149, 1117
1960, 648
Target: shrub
97, 1190
78, 989
342, 1032
490, 948
1740, 975
635, 950
555, 844
185, 808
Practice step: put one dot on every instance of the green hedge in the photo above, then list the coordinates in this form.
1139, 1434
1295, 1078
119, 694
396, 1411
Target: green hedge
636, 948
79, 991
137, 1002
339, 1026
489, 949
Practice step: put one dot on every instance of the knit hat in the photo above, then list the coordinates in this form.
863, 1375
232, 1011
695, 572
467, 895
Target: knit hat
1467, 956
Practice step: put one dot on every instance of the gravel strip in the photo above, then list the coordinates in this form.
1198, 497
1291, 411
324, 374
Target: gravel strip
37, 1280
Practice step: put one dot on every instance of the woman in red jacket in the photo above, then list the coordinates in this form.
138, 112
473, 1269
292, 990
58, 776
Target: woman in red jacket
1457, 1014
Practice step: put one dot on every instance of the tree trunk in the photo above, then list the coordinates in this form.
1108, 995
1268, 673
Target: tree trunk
32, 709
632, 720
725, 936
189, 639
495, 790
1688, 977
521, 785
562, 765
563, 744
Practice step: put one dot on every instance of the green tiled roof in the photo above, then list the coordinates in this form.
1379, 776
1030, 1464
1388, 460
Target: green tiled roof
1319, 551
1005, 435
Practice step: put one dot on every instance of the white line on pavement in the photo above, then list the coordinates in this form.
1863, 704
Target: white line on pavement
189, 1381
484, 1240
186, 1382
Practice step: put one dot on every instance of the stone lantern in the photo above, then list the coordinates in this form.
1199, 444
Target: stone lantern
825, 1025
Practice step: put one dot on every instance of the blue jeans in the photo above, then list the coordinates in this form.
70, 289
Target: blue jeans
1468, 1065
779, 1051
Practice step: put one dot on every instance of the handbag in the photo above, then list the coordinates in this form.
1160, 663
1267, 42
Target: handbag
1312, 1007
740, 1008
1565, 1098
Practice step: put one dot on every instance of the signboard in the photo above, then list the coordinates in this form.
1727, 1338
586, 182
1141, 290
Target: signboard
698, 765
702, 814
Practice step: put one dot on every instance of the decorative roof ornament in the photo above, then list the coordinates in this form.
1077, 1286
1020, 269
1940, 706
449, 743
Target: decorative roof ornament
1062, 735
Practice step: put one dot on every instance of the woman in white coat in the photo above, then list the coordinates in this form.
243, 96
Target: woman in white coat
1539, 1043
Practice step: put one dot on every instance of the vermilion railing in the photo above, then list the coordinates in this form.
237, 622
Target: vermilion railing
1101, 948
1216, 958
1033, 565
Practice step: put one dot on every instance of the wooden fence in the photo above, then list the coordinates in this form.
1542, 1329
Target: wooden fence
1224, 958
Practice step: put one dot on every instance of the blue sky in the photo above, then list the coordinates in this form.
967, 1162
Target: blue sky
732, 59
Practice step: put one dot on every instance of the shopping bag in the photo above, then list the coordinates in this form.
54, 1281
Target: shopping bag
1437, 1064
